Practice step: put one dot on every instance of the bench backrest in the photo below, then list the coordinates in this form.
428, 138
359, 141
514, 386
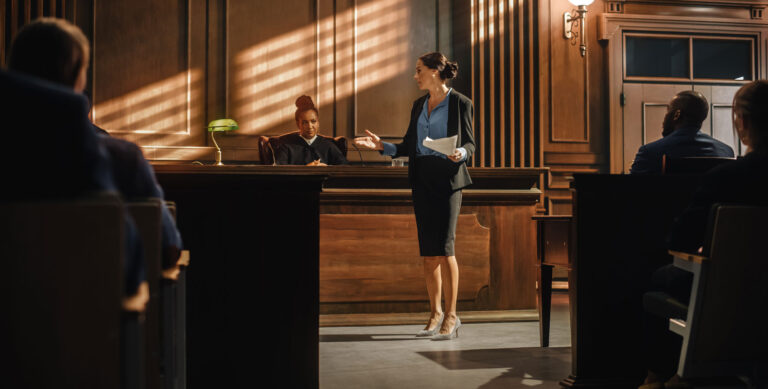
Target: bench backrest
61, 283
726, 317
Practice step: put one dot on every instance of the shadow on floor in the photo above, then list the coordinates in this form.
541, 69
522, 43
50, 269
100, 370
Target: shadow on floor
527, 366
553, 358
368, 338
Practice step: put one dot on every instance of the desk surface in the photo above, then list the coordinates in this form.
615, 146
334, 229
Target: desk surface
381, 177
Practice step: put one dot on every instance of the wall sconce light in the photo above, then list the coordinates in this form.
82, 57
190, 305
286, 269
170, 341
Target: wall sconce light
569, 19
220, 125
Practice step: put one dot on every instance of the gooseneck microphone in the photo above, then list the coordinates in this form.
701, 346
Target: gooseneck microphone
274, 160
358, 152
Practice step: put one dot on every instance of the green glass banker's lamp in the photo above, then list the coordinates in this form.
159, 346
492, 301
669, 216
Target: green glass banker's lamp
220, 125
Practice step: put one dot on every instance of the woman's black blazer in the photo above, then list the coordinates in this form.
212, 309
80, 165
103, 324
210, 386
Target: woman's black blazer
460, 113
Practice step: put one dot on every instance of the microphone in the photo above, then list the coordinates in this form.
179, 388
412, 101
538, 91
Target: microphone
274, 161
358, 152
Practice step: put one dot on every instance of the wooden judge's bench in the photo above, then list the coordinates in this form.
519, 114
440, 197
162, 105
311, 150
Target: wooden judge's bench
275, 246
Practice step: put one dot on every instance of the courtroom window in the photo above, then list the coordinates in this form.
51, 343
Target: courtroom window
683, 58
723, 59
653, 57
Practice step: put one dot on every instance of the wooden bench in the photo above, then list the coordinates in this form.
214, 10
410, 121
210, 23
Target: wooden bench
61, 287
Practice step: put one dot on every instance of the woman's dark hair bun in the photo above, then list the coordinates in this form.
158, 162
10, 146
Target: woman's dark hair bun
304, 103
437, 61
450, 70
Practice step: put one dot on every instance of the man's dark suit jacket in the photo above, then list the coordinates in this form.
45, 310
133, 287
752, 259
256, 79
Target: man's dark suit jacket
742, 181
460, 113
52, 152
683, 142
135, 179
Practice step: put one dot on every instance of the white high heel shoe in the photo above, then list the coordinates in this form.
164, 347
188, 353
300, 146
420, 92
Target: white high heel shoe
450, 335
433, 331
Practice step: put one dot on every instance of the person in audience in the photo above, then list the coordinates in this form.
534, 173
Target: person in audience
305, 147
681, 135
42, 49
436, 180
743, 181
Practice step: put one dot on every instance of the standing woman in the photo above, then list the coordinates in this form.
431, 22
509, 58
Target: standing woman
436, 181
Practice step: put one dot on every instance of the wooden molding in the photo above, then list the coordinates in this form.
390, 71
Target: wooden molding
708, 3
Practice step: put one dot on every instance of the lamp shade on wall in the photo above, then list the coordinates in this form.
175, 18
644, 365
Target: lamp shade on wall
581, 2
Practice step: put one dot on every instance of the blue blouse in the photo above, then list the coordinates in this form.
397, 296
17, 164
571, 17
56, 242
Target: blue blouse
433, 125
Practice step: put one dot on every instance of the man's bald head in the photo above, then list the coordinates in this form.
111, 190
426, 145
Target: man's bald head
687, 109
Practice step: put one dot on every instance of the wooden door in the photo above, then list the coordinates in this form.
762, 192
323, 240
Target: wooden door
719, 123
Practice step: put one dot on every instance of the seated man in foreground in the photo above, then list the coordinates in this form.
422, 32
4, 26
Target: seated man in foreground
42, 49
681, 135
306, 147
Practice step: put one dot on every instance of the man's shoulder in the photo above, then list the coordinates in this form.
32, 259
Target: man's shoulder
119, 145
721, 148
657, 146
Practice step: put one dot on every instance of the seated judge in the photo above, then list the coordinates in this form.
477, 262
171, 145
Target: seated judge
133, 176
681, 135
72, 161
743, 181
305, 147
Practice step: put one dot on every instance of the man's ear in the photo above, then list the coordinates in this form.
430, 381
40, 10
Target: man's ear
676, 116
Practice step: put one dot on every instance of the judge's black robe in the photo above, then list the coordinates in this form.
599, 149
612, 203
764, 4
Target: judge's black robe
294, 150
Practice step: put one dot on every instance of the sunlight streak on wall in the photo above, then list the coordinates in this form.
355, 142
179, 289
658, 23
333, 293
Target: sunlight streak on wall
161, 107
268, 77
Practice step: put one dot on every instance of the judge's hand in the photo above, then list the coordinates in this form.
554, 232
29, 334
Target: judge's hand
456, 156
372, 141
316, 163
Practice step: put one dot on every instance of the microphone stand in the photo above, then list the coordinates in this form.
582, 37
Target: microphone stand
274, 160
358, 153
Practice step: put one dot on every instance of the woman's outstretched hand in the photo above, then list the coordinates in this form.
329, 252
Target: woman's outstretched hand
372, 141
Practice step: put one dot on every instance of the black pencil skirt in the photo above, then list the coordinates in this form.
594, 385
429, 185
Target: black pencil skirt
436, 205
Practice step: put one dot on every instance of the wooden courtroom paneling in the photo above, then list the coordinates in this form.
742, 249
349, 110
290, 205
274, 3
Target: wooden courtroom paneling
373, 258
271, 50
386, 50
148, 70
572, 99
505, 84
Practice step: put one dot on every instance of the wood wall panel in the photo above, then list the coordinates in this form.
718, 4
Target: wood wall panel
386, 50
505, 83
272, 60
569, 118
148, 80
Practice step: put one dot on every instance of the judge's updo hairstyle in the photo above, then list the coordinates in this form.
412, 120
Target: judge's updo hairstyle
437, 61
750, 104
303, 104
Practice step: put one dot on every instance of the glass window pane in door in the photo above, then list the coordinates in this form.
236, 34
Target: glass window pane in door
657, 57
722, 59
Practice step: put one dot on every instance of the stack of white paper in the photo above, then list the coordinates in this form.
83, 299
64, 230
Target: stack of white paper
442, 145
